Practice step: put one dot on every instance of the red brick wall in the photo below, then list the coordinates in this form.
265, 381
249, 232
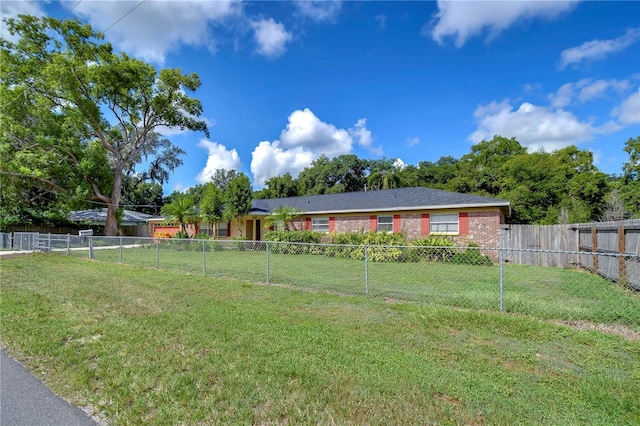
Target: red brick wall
411, 225
484, 229
352, 224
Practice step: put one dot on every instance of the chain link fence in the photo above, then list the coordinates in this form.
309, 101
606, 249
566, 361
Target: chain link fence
474, 277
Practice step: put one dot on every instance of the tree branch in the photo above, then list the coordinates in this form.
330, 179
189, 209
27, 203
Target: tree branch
38, 178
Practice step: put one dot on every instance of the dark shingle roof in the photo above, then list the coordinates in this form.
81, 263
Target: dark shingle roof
419, 198
99, 216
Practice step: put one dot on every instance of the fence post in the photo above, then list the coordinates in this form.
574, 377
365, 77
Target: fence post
68, 244
157, 254
49, 242
622, 266
267, 262
366, 269
90, 247
120, 249
204, 260
594, 248
501, 257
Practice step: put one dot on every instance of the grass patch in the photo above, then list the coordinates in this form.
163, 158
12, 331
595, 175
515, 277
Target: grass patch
543, 292
158, 347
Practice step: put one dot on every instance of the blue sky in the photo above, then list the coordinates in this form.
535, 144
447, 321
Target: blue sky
285, 82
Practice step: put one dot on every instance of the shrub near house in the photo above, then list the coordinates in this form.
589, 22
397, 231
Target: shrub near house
379, 246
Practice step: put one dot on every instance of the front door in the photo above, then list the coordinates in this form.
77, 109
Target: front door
249, 229
258, 227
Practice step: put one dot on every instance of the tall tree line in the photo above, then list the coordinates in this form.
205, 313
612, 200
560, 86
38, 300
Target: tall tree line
563, 186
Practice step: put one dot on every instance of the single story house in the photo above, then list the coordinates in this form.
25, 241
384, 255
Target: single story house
417, 212
133, 224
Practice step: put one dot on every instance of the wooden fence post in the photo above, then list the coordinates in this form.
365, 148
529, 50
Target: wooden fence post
622, 265
594, 248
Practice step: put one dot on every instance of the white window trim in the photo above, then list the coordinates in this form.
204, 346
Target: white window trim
313, 224
431, 223
390, 231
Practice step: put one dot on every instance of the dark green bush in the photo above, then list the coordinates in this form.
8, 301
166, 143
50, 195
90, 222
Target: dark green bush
429, 249
180, 235
471, 256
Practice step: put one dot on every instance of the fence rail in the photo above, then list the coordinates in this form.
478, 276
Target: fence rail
601, 239
476, 278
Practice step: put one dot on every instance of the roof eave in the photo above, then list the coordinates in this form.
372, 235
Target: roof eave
408, 208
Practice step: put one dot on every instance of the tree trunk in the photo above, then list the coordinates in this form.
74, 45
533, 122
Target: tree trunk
111, 225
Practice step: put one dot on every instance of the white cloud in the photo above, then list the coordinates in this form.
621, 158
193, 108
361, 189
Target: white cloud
11, 9
598, 49
155, 27
271, 37
219, 158
178, 187
308, 131
319, 10
304, 139
361, 134
399, 164
534, 127
466, 19
413, 141
269, 160
628, 112
586, 90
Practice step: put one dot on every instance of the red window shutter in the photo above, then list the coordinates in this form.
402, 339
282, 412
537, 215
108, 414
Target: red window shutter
425, 225
228, 229
464, 223
373, 223
332, 224
396, 223
308, 224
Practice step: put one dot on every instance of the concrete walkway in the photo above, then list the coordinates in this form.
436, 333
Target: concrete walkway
26, 401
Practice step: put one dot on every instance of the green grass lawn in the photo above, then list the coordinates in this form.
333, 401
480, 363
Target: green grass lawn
547, 293
146, 346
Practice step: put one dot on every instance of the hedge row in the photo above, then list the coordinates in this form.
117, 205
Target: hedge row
381, 247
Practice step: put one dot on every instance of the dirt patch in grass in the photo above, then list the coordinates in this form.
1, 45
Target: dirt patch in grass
618, 329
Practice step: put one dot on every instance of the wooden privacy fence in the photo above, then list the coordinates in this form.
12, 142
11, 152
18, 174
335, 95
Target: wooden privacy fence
614, 247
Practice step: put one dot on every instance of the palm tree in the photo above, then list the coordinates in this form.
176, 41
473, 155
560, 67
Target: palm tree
282, 214
181, 210
384, 175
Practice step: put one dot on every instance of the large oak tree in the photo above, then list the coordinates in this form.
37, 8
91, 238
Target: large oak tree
71, 100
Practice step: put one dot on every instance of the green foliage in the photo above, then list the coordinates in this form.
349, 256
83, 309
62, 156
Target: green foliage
345, 173
212, 204
384, 175
181, 210
278, 187
70, 78
282, 215
471, 256
301, 239
430, 249
308, 237
180, 235
238, 195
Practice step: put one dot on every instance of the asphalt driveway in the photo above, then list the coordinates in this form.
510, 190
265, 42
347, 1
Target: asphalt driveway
26, 401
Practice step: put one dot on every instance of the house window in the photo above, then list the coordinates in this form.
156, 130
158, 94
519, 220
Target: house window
222, 229
385, 224
320, 224
205, 228
445, 223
